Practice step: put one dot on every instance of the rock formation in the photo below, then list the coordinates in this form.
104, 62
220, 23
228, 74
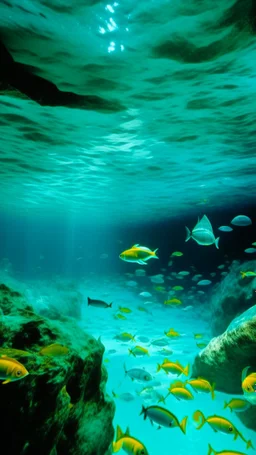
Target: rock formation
60, 408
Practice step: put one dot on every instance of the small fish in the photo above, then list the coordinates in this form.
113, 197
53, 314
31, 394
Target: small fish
201, 385
104, 256
124, 310
221, 267
179, 391
248, 274
254, 244
126, 396
143, 309
173, 368
159, 288
54, 350
163, 417
106, 360
224, 452
157, 279
250, 250
237, 405
129, 444
178, 288
165, 352
11, 370
145, 294
99, 303
177, 254
241, 220
172, 333
203, 233
138, 351
217, 423
173, 302
138, 374
249, 385
201, 345
125, 337
139, 254
225, 228
120, 316
197, 336
160, 342
184, 273
204, 283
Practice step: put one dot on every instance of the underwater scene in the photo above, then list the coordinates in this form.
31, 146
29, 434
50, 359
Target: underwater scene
128, 227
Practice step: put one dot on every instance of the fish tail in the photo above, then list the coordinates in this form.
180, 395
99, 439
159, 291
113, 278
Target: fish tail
144, 412
188, 234
158, 367
154, 255
217, 242
199, 417
210, 450
183, 425
110, 305
133, 338
125, 370
162, 399
225, 405
243, 274
114, 394
186, 370
131, 353
213, 390
89, 300
249, 445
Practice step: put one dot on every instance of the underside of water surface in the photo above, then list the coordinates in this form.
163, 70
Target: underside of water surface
127, 227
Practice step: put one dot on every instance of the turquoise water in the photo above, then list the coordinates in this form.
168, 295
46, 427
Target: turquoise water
149, 125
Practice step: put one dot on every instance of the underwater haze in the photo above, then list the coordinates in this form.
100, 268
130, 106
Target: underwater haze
128, 198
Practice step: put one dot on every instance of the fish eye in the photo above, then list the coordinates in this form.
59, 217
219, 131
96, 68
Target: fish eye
142, 452
18, 373
230, 429
248, 388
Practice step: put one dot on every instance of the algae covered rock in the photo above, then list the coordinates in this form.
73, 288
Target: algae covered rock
232, 296
223, 360
60, 408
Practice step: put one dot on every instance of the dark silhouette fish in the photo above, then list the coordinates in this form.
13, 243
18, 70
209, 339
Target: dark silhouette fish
99, 303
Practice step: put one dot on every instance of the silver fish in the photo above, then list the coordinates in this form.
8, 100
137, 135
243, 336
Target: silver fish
99, 303
203, 233
139, 374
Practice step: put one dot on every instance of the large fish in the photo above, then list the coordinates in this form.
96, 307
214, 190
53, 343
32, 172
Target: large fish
203, 233
139, 254
99, 303
163, 417
128, 443
11, 370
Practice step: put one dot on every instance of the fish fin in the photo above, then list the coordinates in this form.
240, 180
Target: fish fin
144, 412
125, 370
217, 243
205, 224
186, 370
110, 305
249, 445
198, 416
158, 367
7, 381
114, 394
183, 425
119, 433
188, 234
131, 353
89, 300
244, 373
159, 428
141, 262
243, 274
213, 390
135, 246
177, 384
152, 423
127, 432
166, 361
225, 405
210, 450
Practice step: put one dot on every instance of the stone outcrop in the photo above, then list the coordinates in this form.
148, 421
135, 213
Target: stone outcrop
61, 407
223, 360
232, 296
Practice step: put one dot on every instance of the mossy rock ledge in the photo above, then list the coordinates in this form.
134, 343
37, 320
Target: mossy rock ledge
223, 360
61, 407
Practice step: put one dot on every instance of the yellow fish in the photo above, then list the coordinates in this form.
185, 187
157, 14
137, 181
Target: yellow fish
172, 333
120, 316
138, 351
173, 367
201, 345
139, 254
54, 350
128, 443
125, 337
249, 385
237, 405
223, 452
197, 336
159, 288
173, 302
218, 423
124, 310
11, 370
179, 391
202, 385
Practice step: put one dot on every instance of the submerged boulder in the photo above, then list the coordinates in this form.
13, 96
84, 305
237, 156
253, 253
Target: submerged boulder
61, 407
232, 296
223, 360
